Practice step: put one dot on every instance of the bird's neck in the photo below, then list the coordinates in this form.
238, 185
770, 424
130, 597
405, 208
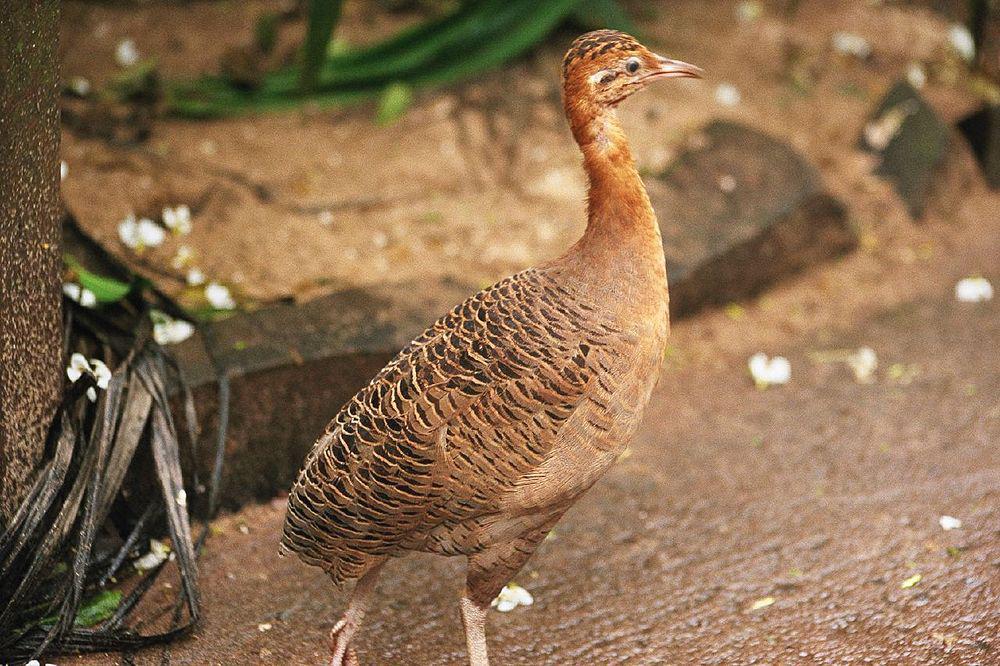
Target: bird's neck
620, 218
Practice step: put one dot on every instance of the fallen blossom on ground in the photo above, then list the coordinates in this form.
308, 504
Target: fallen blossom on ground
863, 362
218, 296
512, 596
127, 53
916, 75
81, 295
962, 41
880, 132
158, 553
974, 290
763, 602
177, 219
78, 365
949, 523
852, 44
63, 170
195, 277
727, 94
911, 581
169, 331
766, 371
140, 234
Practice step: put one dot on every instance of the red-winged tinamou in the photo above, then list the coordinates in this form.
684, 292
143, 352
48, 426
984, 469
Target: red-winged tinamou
480, 434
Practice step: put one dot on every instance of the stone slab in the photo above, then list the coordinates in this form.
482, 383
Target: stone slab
739, 210
911, 142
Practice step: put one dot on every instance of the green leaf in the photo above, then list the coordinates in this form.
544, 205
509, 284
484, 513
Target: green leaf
98, 608
395, 100
106, 290
323, 16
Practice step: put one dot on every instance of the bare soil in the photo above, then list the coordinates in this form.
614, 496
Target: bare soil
824, 494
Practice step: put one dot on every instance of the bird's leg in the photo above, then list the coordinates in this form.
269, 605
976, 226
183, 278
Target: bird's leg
344, 630
489, 571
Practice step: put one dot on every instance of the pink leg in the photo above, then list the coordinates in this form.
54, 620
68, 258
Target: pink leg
343, 632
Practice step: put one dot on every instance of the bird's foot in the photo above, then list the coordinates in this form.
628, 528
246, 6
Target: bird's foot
340, 645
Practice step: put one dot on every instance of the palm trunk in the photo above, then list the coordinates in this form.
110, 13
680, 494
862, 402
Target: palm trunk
30, 243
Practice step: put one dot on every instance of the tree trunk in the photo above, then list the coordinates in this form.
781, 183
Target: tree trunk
31, 363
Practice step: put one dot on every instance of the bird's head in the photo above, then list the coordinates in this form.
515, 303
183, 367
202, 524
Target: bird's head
604, 67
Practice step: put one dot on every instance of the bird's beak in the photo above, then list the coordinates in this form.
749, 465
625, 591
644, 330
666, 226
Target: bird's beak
673, 69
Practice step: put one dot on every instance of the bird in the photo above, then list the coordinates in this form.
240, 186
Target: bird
477, 437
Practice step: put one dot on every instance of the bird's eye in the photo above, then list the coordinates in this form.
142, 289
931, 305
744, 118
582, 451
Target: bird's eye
632, 66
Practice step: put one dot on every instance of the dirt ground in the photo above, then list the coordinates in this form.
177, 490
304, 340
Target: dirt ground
823, 495
479, 180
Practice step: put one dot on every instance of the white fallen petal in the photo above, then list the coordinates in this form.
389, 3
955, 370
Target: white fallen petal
170, 331
158, 552
766, 371
81, 295
962, 41
80, 86
195, 277
92, 394
219, 297
863, 363
184, 256
139, 234
178, 219
916, 75
727, 94
77, 366
63, 170
127, 53
101, 372
974, 290
949, 523
182, 498
512, 596
852, 44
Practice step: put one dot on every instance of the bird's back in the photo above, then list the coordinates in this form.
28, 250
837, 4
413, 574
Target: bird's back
507, 407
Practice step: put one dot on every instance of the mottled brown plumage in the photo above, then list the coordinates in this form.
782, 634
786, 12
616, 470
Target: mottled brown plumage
478, 436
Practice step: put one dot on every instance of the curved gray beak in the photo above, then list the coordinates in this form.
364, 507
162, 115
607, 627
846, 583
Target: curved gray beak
673, 69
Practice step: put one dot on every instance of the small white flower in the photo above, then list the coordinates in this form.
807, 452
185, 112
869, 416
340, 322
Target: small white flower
264, 626
852, 44
140, 234
218, 296
78, 365
974, 290
727, 94
81, 295
195, 277
178, 219
863, 363
80, 86
158, 552
916, 75
63, 170
169, 331
512, 596
962, 41
749, 10
127, 53
182, 498
727, 183
325, 218
766, 371
949, 523
184, 256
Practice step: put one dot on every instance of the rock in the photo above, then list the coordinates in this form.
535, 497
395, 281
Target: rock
739, 211
911, 141
982, 129
291, 367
